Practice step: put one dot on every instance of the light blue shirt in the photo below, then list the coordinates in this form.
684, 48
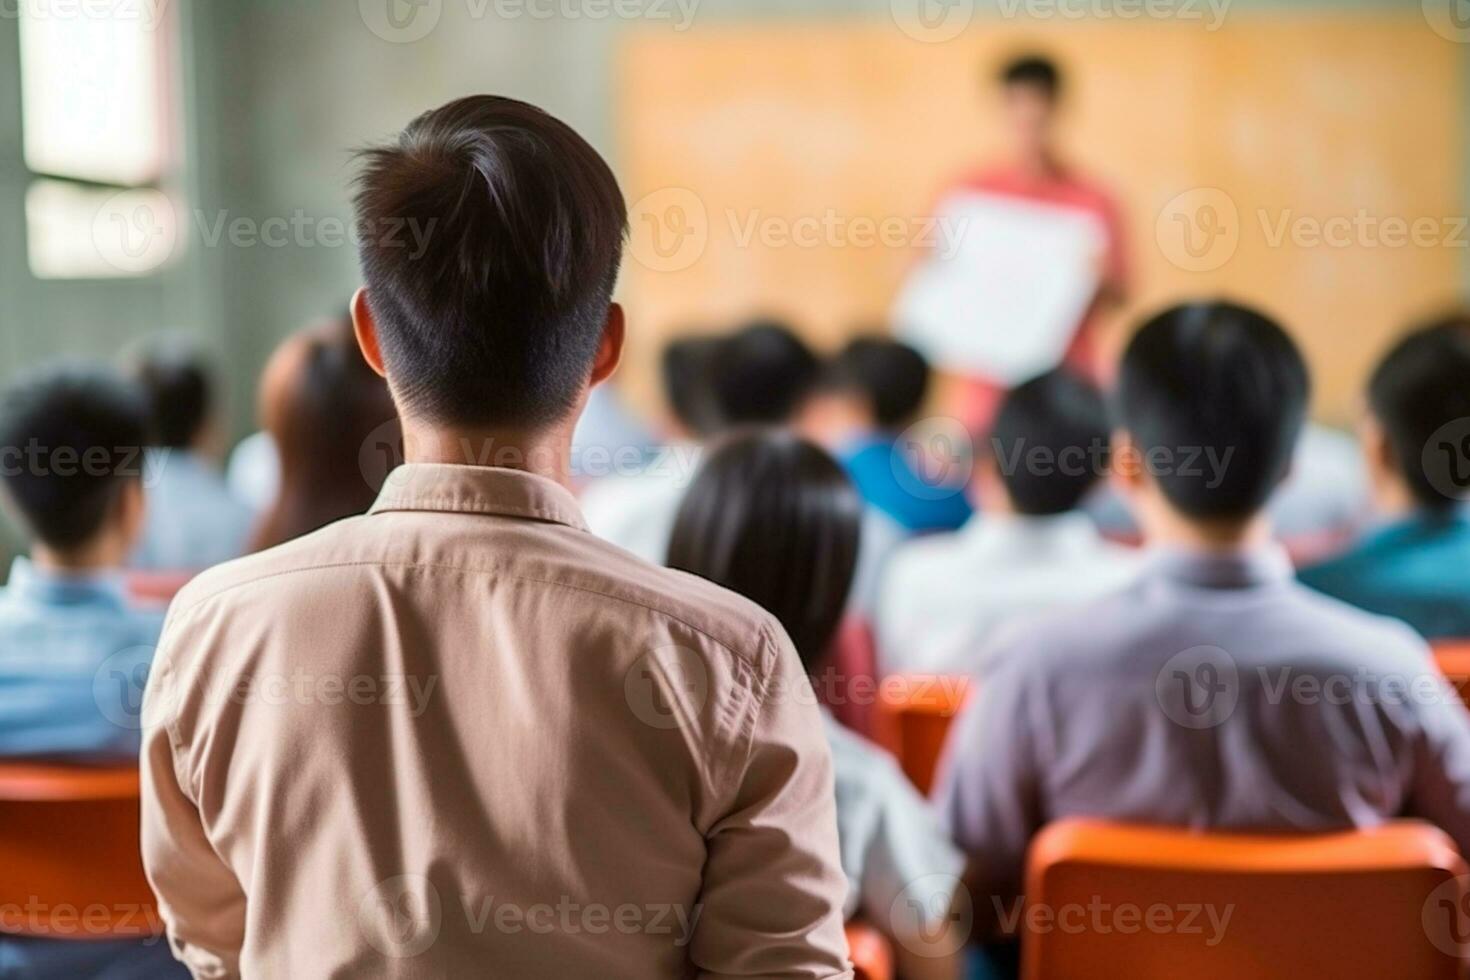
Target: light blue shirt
73, 659
194, 521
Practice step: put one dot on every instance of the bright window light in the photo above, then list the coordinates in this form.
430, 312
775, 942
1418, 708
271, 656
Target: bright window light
92, 92
75, 231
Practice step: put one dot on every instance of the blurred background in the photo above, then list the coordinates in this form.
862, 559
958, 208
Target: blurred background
185, 165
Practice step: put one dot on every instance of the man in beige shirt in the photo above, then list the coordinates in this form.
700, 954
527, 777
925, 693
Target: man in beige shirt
461, 736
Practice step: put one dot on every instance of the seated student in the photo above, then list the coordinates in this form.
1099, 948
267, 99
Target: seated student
635, 510
1030, 550
757, 375
73, 652
1172, 702
330, 423
194, 520
870, 392
1416, 565
489, 758
774, 518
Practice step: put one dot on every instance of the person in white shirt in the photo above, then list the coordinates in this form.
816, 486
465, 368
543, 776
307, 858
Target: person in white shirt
1030, 548
773, 517
194, 521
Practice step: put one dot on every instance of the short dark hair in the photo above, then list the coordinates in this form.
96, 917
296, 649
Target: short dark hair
761, 373
1063, 415
176, 381
493, 314
891, 375
71, 436
774, 518
1218, 378
1422, 384
1034, 70
687, 367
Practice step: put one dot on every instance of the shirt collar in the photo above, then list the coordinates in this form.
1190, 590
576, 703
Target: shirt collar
32, 584
1243, 569
460, 489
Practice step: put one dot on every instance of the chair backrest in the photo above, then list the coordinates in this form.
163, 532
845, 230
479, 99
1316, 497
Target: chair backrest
1453, 657
870, 951
1106, 900
919, 710
69, 861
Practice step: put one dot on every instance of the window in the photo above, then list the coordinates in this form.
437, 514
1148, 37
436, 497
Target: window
97, 137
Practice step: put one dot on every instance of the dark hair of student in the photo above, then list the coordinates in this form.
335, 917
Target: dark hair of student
1420, 386
687, 368
491, 236
762, 372
774, 518
71, 437
1036, 71
321, 404
1066, 419
175, 379
891, 375
1214, 380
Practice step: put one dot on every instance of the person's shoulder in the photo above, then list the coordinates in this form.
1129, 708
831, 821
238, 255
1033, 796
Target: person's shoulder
1353, 630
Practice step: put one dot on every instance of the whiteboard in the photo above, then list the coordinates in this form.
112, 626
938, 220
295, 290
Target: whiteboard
1004, 300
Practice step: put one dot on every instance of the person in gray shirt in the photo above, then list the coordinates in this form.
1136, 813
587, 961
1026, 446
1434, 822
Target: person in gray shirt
1215, 692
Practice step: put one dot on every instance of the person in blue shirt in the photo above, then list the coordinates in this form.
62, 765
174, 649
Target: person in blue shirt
871, 391
1415, 565
195, 520
74, 654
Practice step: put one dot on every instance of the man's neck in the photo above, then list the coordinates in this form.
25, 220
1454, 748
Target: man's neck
544, 452
1170, 530
98, 558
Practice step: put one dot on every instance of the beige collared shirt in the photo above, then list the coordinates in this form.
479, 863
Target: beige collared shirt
463, 737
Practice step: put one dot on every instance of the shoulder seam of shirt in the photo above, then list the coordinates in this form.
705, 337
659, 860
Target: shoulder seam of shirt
194, 605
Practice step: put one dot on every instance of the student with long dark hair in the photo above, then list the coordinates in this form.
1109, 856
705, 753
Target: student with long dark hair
774, 518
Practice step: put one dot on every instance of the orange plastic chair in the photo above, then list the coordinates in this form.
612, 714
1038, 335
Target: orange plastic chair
1353, 905
918, 711
870, 952
1453, 657
69, 861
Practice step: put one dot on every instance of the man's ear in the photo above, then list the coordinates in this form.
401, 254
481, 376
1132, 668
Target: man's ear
366, 329
610, 350
1375, 445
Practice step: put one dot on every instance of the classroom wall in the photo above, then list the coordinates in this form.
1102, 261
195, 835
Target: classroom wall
279, 92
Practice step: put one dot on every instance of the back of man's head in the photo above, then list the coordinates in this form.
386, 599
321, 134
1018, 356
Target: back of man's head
1213, 396
71, 438
491, 235
890, 375
176, 381
687, 367
1421, 386
1033, 71
1050, 442
761, 373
